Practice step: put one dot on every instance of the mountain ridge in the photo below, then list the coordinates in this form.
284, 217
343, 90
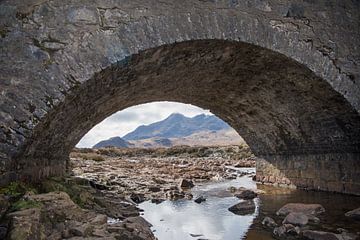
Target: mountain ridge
177, 125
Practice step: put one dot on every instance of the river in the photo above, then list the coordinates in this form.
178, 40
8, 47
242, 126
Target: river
185, 219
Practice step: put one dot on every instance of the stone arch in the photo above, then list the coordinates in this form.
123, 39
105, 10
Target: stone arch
57, 53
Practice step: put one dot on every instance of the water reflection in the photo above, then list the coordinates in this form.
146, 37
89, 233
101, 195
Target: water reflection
184, 219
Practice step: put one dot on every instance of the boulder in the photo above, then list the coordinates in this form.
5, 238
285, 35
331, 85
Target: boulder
246, 194
307, 209
200, 199
296, 218
269, 222
25, 224
355, 214
186, 183
243, 208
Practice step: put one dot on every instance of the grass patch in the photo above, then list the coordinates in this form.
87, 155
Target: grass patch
24, 204
88, 156
17, 189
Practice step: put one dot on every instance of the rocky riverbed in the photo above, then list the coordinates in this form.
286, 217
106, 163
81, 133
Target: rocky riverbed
158, 174
128, 194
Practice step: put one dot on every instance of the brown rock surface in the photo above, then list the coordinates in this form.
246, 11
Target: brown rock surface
307, 209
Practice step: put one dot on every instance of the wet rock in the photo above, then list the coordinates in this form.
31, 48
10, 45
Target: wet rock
132, 228
246, 194
200, 199
137, 197
296, 218
188, 196
243, 208
293, 230
174, 195
307, 209
186, 183
279, 231
320, 235
286, 230
269, 222
355, 214
157, 200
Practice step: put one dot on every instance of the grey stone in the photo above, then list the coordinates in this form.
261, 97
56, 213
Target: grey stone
296, 218
243, 208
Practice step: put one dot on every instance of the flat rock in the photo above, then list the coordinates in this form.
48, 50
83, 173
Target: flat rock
243, 208
355, 214
296, 218
307, 209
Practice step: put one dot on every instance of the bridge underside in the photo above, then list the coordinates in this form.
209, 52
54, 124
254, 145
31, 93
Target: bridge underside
284, 74
304, 132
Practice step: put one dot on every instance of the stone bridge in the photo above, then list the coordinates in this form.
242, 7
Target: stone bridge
285, 74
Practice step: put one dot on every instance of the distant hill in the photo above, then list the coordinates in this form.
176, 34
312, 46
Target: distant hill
177, 125
113, 142
224, 137
177, 129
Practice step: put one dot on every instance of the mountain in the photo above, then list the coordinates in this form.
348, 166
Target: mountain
224, 137
176, 126
177, 129
113, 142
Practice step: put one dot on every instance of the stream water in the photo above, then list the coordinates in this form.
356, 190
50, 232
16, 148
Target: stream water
185, 219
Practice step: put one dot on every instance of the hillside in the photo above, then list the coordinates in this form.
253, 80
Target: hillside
113, 142
177, 125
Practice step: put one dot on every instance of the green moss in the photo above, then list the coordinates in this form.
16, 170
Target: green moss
76, 193
24, 204
17, 189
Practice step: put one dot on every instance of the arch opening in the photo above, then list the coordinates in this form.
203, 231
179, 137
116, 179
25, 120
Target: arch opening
286, 113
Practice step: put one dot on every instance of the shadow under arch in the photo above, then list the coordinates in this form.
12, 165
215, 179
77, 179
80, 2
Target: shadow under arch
284, 111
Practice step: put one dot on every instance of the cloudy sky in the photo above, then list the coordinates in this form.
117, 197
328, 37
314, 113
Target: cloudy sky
125, 121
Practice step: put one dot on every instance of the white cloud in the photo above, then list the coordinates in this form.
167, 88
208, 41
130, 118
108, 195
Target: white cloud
127, 120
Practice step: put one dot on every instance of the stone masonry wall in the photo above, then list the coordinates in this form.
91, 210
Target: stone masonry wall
326, 172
